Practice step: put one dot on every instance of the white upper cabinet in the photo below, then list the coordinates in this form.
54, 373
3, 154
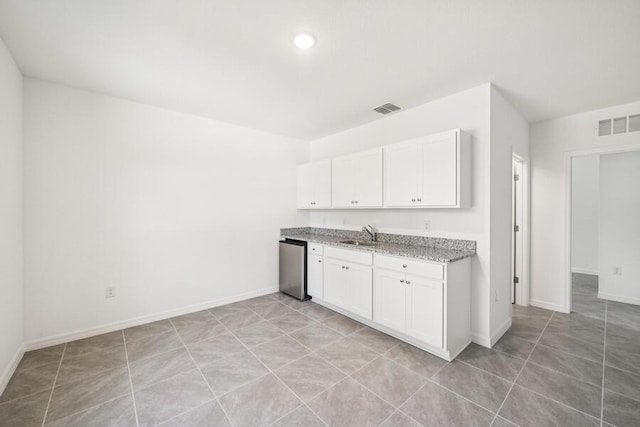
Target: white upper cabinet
314, 185
357, 180
431, 171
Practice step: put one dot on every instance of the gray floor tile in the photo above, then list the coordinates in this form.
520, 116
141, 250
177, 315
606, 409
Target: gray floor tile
25, 412
190, 319
495, 362
317, 312
152, 345
530, 311
279, 352
398, 419
91, 344
91, 391
623, 314
342, 324
216, 348
164, 400
568, 390
208, 415
623, 338
417, 360
273, 310
301, 417
350, 404
240, 319
622, 382
259, 301
527, 328
514, 345
227, 374
44, 356
375, 340
26, 382
292, 322
568, 364
480, 387
501, 422
623, 360
296, 304
114, 413
226, 310
147, 330
158, 368
309, 376
620, 410
201, 331
528, 409
570, 344
279, 296
347, 355
75, 368
434, 406
316, 336
259, 403
579, 329
258, 333
392, 382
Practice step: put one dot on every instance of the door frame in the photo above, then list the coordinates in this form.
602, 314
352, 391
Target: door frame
568, 207
522, 296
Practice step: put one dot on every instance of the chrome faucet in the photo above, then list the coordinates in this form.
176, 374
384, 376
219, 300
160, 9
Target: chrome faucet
371, 231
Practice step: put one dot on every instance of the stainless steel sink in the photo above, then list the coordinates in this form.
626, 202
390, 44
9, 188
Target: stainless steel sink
356, 243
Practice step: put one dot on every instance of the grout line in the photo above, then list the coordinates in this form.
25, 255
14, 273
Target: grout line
604, 362
186, 412
46, 412
201, 374
521, 370
133, 397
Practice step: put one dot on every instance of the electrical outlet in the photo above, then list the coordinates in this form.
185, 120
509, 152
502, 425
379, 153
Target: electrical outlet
617, 271
110, 292
427, 225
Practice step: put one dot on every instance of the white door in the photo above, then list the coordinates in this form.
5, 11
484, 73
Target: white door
401, 174
369, 179
343, 182
336, 283
305, 186
390, 299
438, 180
425, 310
360, 290
314, 276
322, 184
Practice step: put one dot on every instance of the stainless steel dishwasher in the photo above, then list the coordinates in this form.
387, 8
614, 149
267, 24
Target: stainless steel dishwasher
293, 268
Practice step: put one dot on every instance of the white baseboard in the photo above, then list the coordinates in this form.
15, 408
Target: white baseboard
500, 331
13, 365
584, 271
619, 298
116, 326
481, 340
548, 305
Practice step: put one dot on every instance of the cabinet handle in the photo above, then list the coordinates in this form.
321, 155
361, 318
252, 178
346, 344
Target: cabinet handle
413, 200
319, 260
342, 267
404, 265
355, 201
408, 282
419, 199
346, 268
313, 249
401, 280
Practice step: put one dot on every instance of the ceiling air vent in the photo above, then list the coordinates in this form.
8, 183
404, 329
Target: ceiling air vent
619, 125
604, 127
386, 108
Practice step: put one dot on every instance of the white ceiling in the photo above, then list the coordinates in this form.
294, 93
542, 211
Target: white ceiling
234, 61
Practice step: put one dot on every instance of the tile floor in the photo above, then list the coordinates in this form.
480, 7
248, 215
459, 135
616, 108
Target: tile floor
276, 361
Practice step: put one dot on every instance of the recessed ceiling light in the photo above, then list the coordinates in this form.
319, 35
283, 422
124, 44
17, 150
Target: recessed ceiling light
304, 41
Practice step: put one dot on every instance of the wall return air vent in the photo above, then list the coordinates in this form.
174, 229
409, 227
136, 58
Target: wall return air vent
386, 108
619, 125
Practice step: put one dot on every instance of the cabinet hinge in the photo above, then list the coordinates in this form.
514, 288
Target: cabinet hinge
516, 177
516, 228
516, 280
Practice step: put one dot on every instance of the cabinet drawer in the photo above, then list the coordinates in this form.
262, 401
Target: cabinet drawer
411, 266
315, 249
349, 255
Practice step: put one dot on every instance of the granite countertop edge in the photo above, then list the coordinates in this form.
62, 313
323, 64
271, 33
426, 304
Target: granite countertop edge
434, 254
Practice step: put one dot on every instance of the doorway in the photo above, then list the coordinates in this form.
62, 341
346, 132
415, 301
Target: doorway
519, 240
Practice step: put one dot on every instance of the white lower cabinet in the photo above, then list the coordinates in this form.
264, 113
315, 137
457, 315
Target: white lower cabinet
315, 273
349, 286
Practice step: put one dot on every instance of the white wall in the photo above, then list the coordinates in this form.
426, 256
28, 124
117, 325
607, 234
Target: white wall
620, 227
468, 110
585, 190
509, 135
11, 328
550, 142
173, 210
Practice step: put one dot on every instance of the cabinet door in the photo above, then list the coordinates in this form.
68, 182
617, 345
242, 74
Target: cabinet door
438, 180
314, 276
390, 299
369, 179
322, 184
425, 310
336, 283
360, 290
305, 186
401, 174
343, 182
